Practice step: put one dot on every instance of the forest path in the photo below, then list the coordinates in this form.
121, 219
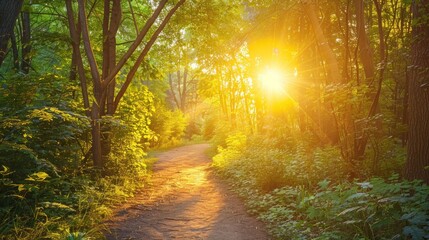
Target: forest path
185, 201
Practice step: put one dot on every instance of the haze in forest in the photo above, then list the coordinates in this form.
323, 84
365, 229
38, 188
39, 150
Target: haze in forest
316, 111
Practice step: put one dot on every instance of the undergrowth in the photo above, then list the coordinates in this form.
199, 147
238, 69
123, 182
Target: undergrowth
67, 207
49, 188
304, 193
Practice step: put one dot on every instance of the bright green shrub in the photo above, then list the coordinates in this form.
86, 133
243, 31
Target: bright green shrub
47, 187
235, 146
129, 134
168, 127
271, 167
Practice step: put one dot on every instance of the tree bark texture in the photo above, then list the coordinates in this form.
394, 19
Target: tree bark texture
417, 166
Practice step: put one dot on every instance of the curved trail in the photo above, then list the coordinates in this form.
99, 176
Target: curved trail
185, 201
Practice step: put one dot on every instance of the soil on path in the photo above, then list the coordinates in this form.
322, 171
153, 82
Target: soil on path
185, 201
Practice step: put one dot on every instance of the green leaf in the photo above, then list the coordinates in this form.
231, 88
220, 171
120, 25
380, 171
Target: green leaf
17, 196
21, 187
352, 221
5, 171
416, 218
348, 210
38, 177
57, 205
324, 184
357, 195
415, 232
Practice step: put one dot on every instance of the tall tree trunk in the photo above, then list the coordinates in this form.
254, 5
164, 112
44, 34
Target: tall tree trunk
184, 90
323, 44
75, 31
417, 166
366, 57
365, 51
9, 12
25, 42
333, 71
173, 93
97, 86
15, 53
113, 29
102, 84
110, 29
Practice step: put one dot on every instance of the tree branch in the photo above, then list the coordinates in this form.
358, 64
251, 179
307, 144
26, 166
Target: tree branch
144, 53
136, 43
88, 49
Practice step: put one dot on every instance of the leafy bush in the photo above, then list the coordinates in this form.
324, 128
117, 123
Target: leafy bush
303, 193
168, 126
235, 145
41, 206
271, 167
360, 210
47, 189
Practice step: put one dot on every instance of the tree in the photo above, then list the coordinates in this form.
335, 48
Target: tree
417, 166
9, 12
106, 100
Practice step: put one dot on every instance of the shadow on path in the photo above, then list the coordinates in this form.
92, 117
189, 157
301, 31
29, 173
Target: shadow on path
185, 201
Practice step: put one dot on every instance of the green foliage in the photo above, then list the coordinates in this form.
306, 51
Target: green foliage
34, 138
301, 192
235, 145
47, 186
42, 206
271, 167
360, 210
168, 126
209, 128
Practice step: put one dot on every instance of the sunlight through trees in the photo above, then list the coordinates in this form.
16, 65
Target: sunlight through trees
312, 108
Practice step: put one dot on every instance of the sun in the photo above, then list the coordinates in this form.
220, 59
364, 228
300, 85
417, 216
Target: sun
273, 81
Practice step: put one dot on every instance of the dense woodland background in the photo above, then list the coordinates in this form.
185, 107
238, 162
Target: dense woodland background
337, 147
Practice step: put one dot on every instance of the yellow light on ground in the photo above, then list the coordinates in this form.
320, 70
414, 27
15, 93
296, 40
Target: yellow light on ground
273, 81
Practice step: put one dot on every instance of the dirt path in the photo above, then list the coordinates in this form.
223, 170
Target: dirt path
186, 201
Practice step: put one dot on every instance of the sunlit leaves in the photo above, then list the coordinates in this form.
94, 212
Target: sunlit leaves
37, 177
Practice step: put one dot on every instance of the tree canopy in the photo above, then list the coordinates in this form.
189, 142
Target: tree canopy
303, 98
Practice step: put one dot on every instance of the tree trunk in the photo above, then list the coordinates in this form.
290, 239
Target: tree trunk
333, 71
112, 19
15, 53
103, 87
184, 90
9, 12
365, 51
96, 136
75, 31
417, 166
25, 42
366, 57
327, 53
98, 91
173, 93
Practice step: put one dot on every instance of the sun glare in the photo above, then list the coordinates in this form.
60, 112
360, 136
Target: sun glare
273, 81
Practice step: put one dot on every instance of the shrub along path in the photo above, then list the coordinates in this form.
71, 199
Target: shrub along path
185, 201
